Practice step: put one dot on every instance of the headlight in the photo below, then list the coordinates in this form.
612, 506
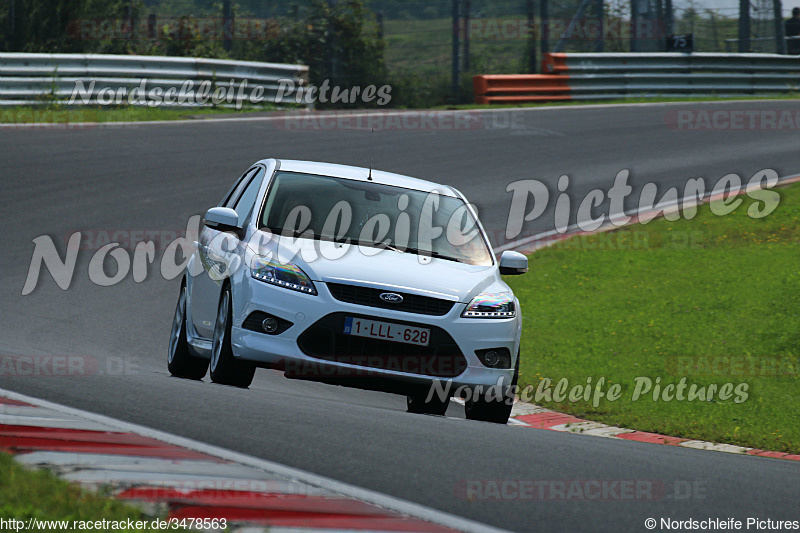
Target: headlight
287, 275
491, 305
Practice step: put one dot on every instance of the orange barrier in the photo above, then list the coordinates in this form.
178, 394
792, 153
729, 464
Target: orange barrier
512, 88
516, 88
554, 63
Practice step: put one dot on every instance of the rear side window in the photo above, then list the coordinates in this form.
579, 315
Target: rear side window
244, 204
236, 190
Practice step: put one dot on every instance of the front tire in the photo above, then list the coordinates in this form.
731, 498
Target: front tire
180, 362
493, 410
416, 403
225, 368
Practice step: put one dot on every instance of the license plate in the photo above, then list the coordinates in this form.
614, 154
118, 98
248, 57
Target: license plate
386, 331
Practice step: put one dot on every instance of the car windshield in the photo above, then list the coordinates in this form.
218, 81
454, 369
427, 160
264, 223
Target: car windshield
376, 215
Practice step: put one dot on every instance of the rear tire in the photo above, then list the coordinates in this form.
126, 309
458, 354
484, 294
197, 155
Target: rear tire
416, 403
225, 368
493, 411
180, 362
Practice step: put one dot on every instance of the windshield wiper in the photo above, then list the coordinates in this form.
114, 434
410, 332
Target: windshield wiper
388, 247
383, 245
437, 255
430, 253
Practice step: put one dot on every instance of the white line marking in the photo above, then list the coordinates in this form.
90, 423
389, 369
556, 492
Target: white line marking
65, 125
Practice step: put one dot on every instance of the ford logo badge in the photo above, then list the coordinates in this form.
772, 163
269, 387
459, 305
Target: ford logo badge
391, 297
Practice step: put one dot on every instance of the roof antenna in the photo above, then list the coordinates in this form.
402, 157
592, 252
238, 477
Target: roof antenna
369, 178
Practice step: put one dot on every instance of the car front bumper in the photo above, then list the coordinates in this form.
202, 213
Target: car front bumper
304, 310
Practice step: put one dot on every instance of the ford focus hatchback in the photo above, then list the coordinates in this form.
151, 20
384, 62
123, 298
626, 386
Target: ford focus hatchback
355, 277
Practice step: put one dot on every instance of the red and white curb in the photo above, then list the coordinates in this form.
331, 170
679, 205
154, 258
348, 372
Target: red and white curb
530, 415
182, 478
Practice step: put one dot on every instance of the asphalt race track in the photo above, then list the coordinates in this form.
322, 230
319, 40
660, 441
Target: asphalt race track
154, 177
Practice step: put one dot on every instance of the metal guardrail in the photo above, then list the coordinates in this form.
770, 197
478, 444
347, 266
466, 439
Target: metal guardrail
27, 79
609, 76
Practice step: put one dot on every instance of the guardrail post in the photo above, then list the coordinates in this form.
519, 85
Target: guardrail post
456, 46
151, 26
227, 25
780, 42
600, 43
130, 19
466, 36
531, 36
744, 26
12, 21
544, 21
669, 17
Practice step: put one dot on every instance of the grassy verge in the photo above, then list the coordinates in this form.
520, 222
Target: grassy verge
712, 300
26, 494
70, 115
100, 114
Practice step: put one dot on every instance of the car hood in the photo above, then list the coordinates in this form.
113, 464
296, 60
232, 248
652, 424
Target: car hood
404, 272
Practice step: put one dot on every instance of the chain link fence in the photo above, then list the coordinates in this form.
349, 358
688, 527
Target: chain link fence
409, 43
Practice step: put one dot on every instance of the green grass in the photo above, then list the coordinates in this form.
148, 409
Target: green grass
100, 114
55, 114
26, 494
627, 303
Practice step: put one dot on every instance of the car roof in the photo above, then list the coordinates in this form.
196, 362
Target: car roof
361, 174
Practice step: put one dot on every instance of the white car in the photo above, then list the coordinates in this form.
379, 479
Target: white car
355, 277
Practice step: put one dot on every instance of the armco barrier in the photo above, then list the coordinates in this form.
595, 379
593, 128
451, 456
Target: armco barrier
608, 76
510, 88
27, 78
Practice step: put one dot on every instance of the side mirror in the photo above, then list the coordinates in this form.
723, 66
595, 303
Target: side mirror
513, 263
223, 219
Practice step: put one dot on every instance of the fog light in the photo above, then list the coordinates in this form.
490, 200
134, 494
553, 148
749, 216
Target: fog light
495, 357
270, 325
491, 358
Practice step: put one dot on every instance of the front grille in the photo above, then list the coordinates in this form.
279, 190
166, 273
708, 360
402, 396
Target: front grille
412, 303
325, 339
